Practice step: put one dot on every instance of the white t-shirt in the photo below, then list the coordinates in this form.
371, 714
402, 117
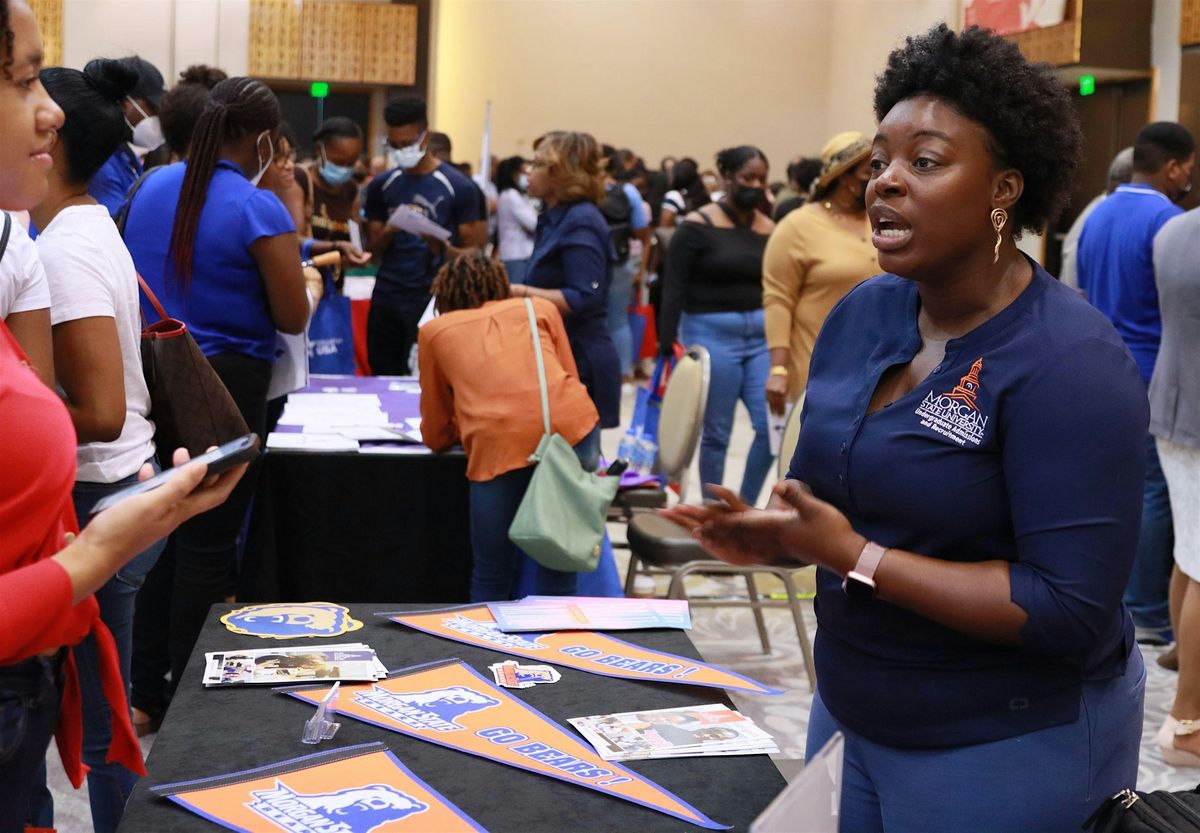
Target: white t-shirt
517, 220
22, 278
92, 275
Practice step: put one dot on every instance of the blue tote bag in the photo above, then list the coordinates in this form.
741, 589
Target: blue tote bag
330, 335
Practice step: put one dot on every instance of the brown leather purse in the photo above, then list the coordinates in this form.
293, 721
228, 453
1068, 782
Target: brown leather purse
189, 404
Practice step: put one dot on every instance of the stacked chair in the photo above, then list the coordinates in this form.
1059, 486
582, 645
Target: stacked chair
658, 546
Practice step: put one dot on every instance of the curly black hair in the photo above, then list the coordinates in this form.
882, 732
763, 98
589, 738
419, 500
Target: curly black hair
1027, 113
6, 35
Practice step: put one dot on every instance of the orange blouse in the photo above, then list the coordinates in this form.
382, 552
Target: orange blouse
479, 383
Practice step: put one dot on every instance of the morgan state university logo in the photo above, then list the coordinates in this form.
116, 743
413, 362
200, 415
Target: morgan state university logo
956, 415
356, 810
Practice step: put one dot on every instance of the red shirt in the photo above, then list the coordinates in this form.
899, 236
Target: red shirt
36, 513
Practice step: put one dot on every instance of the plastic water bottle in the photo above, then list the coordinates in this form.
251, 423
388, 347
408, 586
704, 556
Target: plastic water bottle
628, 446
646, 456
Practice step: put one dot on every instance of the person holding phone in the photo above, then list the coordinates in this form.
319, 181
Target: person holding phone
48, 573
97, 354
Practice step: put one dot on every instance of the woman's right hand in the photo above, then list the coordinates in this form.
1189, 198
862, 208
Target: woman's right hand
352, 254
777, 388
116, 535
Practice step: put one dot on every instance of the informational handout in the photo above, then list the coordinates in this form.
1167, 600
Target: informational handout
566, 613
289, 441
414, 222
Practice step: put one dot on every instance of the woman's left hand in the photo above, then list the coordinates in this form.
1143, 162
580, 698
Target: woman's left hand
796, 529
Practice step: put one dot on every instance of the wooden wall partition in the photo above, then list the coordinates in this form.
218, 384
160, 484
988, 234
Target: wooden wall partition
49, 17
334, 40
1189, 28
1056, 45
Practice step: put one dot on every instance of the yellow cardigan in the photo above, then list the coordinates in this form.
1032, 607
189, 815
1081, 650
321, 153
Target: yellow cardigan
811, 262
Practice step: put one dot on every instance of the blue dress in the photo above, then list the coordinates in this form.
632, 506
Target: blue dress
573, 252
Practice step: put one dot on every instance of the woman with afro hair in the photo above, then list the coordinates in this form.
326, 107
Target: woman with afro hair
968, 479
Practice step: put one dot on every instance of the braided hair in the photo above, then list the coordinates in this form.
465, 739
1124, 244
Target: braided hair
237, 107
469, 282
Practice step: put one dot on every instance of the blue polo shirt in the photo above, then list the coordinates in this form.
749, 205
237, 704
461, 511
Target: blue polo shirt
1115, 266
1025, 445
225, 305
408, 266
573, 252
116, 176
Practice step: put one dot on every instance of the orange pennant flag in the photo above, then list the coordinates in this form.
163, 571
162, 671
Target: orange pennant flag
596, 653
354, 790
449, 704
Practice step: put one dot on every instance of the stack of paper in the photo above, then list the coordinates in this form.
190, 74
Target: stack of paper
565, 613
340, 420
350, 661
690, 732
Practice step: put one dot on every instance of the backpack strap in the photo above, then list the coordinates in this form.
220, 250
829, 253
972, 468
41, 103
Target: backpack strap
4, 234
123, 212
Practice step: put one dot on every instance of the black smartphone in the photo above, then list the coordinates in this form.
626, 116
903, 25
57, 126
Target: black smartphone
242, 450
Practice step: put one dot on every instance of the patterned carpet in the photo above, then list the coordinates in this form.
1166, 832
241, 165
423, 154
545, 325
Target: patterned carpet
727, 636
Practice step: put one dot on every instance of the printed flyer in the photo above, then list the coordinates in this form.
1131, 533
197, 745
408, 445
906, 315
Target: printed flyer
449, 704
290, 620
356, 789
596, 653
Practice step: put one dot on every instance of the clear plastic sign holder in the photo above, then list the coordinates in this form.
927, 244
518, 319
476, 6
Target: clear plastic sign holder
812, 801
319, 727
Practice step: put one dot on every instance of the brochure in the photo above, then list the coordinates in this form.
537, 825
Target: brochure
573, 613
276, 666
689, 732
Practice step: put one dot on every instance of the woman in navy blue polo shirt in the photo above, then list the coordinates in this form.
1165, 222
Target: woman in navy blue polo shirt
571, 264
973, 441
221, 255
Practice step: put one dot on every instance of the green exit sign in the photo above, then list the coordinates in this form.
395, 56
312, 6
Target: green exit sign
1087, 84
319, 89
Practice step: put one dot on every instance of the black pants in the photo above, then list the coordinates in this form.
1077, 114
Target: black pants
194, 570
391, 334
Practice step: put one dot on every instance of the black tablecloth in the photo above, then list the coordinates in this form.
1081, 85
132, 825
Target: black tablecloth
357, 527
215, 731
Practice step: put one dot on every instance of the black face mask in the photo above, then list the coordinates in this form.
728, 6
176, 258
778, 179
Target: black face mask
746, 198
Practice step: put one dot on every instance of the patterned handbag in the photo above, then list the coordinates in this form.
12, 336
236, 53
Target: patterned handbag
189, 404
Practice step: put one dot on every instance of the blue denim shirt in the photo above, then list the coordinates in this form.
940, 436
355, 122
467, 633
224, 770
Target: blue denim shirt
573, 252
1026, 445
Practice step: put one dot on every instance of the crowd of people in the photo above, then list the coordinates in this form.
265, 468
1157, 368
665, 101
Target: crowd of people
989, 458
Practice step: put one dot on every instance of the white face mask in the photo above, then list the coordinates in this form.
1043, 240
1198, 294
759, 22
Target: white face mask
147, 133
257, 178
409, 156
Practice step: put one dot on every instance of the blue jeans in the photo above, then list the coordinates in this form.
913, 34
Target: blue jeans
1146, 593
30, 692
516, 270
497, 560
109, 784
620, 296
1048, 781
737, 347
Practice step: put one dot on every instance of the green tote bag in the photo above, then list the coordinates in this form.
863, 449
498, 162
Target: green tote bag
560, 521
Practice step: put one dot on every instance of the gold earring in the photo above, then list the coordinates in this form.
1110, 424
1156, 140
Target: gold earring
999, 219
